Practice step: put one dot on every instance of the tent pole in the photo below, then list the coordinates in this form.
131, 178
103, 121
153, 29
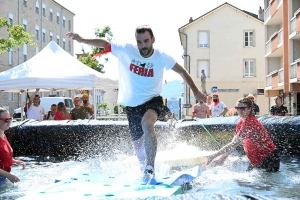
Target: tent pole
94, 97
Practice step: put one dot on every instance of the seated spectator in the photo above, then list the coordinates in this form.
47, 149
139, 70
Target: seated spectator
80, 112
52, 112
62, 113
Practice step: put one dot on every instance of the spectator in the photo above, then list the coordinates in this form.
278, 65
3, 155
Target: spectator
219, 108
80, 112
279, 109
52, 112
258, 145
209, 104
6, 152
85, 103
62, 113
255, 106
35, 110
201, 110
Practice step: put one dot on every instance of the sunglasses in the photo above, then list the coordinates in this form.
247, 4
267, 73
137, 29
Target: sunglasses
6, 120
241, 108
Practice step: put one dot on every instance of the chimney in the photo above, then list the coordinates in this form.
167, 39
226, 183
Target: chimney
261, 14
191, 19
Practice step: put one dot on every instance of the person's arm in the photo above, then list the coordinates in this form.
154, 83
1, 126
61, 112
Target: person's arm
97, 42
188, 79
32, 97
224, 111
207, 112
226, 150
9, 176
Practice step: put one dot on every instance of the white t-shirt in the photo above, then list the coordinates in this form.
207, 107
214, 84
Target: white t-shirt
218, 109
140, 79
35, 112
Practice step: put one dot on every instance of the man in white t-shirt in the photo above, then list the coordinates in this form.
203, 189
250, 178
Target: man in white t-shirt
141, 70
219, 109
35, 111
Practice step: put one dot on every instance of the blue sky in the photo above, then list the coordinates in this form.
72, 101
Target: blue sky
163, 16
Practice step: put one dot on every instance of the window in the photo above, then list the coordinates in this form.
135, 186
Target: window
249, 38
57, 39
64, 21
36, 50
37, 32
69, 46
69, 25
203, 65
51, 36
37, 7
64, 44
10, 57
44, 10
10, 96
25, 53
51, 14
11, 19
57, 18
25, 3
203, 39
249, 68
44, 36
25, 25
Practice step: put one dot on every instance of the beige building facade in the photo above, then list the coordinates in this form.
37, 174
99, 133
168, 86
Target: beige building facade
46, 20
228, 44
282, 41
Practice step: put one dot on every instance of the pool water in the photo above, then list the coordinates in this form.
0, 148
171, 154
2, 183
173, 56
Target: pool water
229, 179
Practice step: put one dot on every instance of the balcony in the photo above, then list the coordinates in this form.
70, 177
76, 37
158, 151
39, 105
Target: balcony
295, 26
274, 46
274, 80
295, 72
273, 14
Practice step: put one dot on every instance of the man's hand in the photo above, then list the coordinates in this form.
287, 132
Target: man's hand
74, 36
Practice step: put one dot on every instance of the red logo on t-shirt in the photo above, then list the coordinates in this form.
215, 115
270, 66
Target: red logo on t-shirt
141, 69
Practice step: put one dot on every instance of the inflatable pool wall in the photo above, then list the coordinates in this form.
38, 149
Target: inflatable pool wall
92, 137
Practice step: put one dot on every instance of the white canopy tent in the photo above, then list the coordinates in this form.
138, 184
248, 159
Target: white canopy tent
53, 69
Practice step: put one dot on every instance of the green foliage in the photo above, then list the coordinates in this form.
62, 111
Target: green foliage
105, 108
102, 33
16, 37
94, 64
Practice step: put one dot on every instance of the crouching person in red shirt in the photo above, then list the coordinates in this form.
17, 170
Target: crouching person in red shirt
6, 152
258, 145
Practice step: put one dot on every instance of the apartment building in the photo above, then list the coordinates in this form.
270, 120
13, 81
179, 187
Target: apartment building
47, 20
282, 39
228, 44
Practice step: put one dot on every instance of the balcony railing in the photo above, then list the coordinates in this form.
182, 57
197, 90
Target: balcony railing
267, 13
268, 47
293, 25
280, 75
269, 80
280, 36
293, 70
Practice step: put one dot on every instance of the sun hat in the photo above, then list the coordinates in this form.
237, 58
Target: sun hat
251, 95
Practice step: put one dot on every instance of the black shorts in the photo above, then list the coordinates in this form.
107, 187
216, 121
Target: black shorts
271, 163
135, 115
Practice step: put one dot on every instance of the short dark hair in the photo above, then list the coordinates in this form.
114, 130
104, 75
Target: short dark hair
37, 96
143, 29
53, 105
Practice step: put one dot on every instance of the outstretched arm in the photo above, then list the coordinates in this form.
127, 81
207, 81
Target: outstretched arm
188, 79
226, 150
97, 42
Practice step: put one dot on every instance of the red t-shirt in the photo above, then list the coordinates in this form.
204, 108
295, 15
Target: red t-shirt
59, 116
257, 142
6, 155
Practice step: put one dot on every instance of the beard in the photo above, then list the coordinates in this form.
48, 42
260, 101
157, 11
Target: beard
215, 100
146, 52
84, 101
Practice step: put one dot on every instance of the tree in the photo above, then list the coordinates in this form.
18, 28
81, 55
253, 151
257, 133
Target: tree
94, 64
16, 37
